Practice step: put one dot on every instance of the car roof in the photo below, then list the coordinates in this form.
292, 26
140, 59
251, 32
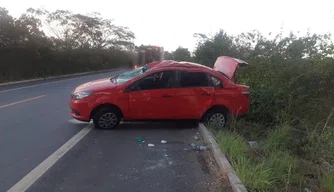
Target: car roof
181, 64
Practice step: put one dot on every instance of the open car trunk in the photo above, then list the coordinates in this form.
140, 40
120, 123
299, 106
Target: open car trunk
228, 65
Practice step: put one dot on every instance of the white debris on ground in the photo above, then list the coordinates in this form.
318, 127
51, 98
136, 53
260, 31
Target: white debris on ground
253, 144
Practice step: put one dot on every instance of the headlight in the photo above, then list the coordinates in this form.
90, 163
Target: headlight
80, 95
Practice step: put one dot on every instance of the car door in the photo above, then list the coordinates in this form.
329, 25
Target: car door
195, 93
152, 96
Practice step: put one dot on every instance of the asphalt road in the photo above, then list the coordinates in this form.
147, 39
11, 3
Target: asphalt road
35, 122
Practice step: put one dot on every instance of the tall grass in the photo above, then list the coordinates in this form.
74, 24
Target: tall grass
255, 176
268, 167
232, 144
278, 138
328, 182
284, 166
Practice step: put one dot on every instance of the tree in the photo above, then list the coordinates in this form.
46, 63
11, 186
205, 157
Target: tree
84, 31
181, 54
209, 49
41, 43
168, 55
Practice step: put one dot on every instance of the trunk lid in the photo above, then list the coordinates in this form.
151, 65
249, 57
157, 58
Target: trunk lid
228, 65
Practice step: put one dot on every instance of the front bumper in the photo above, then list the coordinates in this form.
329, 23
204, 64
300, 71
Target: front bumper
80, 110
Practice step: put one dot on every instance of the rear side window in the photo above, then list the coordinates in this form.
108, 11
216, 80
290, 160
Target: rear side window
193, 79
215, 82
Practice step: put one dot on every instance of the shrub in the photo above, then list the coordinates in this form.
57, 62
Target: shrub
292, 87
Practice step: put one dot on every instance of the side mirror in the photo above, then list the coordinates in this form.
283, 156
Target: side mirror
145, 68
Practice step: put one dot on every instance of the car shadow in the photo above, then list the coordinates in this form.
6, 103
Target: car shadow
149, 125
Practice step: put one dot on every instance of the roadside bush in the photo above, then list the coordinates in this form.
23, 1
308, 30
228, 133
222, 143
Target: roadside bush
320, 146
291, 115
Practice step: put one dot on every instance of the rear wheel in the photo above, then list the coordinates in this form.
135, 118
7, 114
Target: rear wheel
106, 118
216, 118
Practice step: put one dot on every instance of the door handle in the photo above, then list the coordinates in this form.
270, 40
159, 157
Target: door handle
166, 96
205, 94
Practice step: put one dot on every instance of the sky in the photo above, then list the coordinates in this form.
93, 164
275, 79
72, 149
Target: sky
172, 23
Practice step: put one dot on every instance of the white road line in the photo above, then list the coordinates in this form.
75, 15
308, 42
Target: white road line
36, 173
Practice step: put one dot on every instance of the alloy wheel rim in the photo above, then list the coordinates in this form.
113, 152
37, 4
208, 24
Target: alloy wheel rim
217, 119
107, 120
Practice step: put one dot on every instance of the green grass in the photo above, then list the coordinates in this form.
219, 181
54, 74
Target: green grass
255, 176
285, 168
328, 182
232, 144
278, 138
269, 167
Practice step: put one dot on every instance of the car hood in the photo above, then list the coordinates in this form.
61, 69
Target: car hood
96, 85
228, 65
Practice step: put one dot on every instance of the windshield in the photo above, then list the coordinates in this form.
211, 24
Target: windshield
127, 76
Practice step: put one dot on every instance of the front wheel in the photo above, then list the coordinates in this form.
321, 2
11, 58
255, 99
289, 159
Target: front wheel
106, 118
216, 118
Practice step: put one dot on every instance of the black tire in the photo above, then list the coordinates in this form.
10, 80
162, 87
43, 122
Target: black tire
218, 114
106, 118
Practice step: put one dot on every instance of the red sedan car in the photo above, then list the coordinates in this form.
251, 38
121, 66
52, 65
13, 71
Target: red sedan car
168, 90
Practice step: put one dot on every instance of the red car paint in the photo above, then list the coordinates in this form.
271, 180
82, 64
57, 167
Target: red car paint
167, 103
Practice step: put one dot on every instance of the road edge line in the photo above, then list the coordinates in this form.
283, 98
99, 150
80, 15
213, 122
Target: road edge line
59, 76
221, 160
38, 171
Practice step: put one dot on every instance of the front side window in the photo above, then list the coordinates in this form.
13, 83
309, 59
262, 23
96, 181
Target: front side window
193, 79
159, 80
